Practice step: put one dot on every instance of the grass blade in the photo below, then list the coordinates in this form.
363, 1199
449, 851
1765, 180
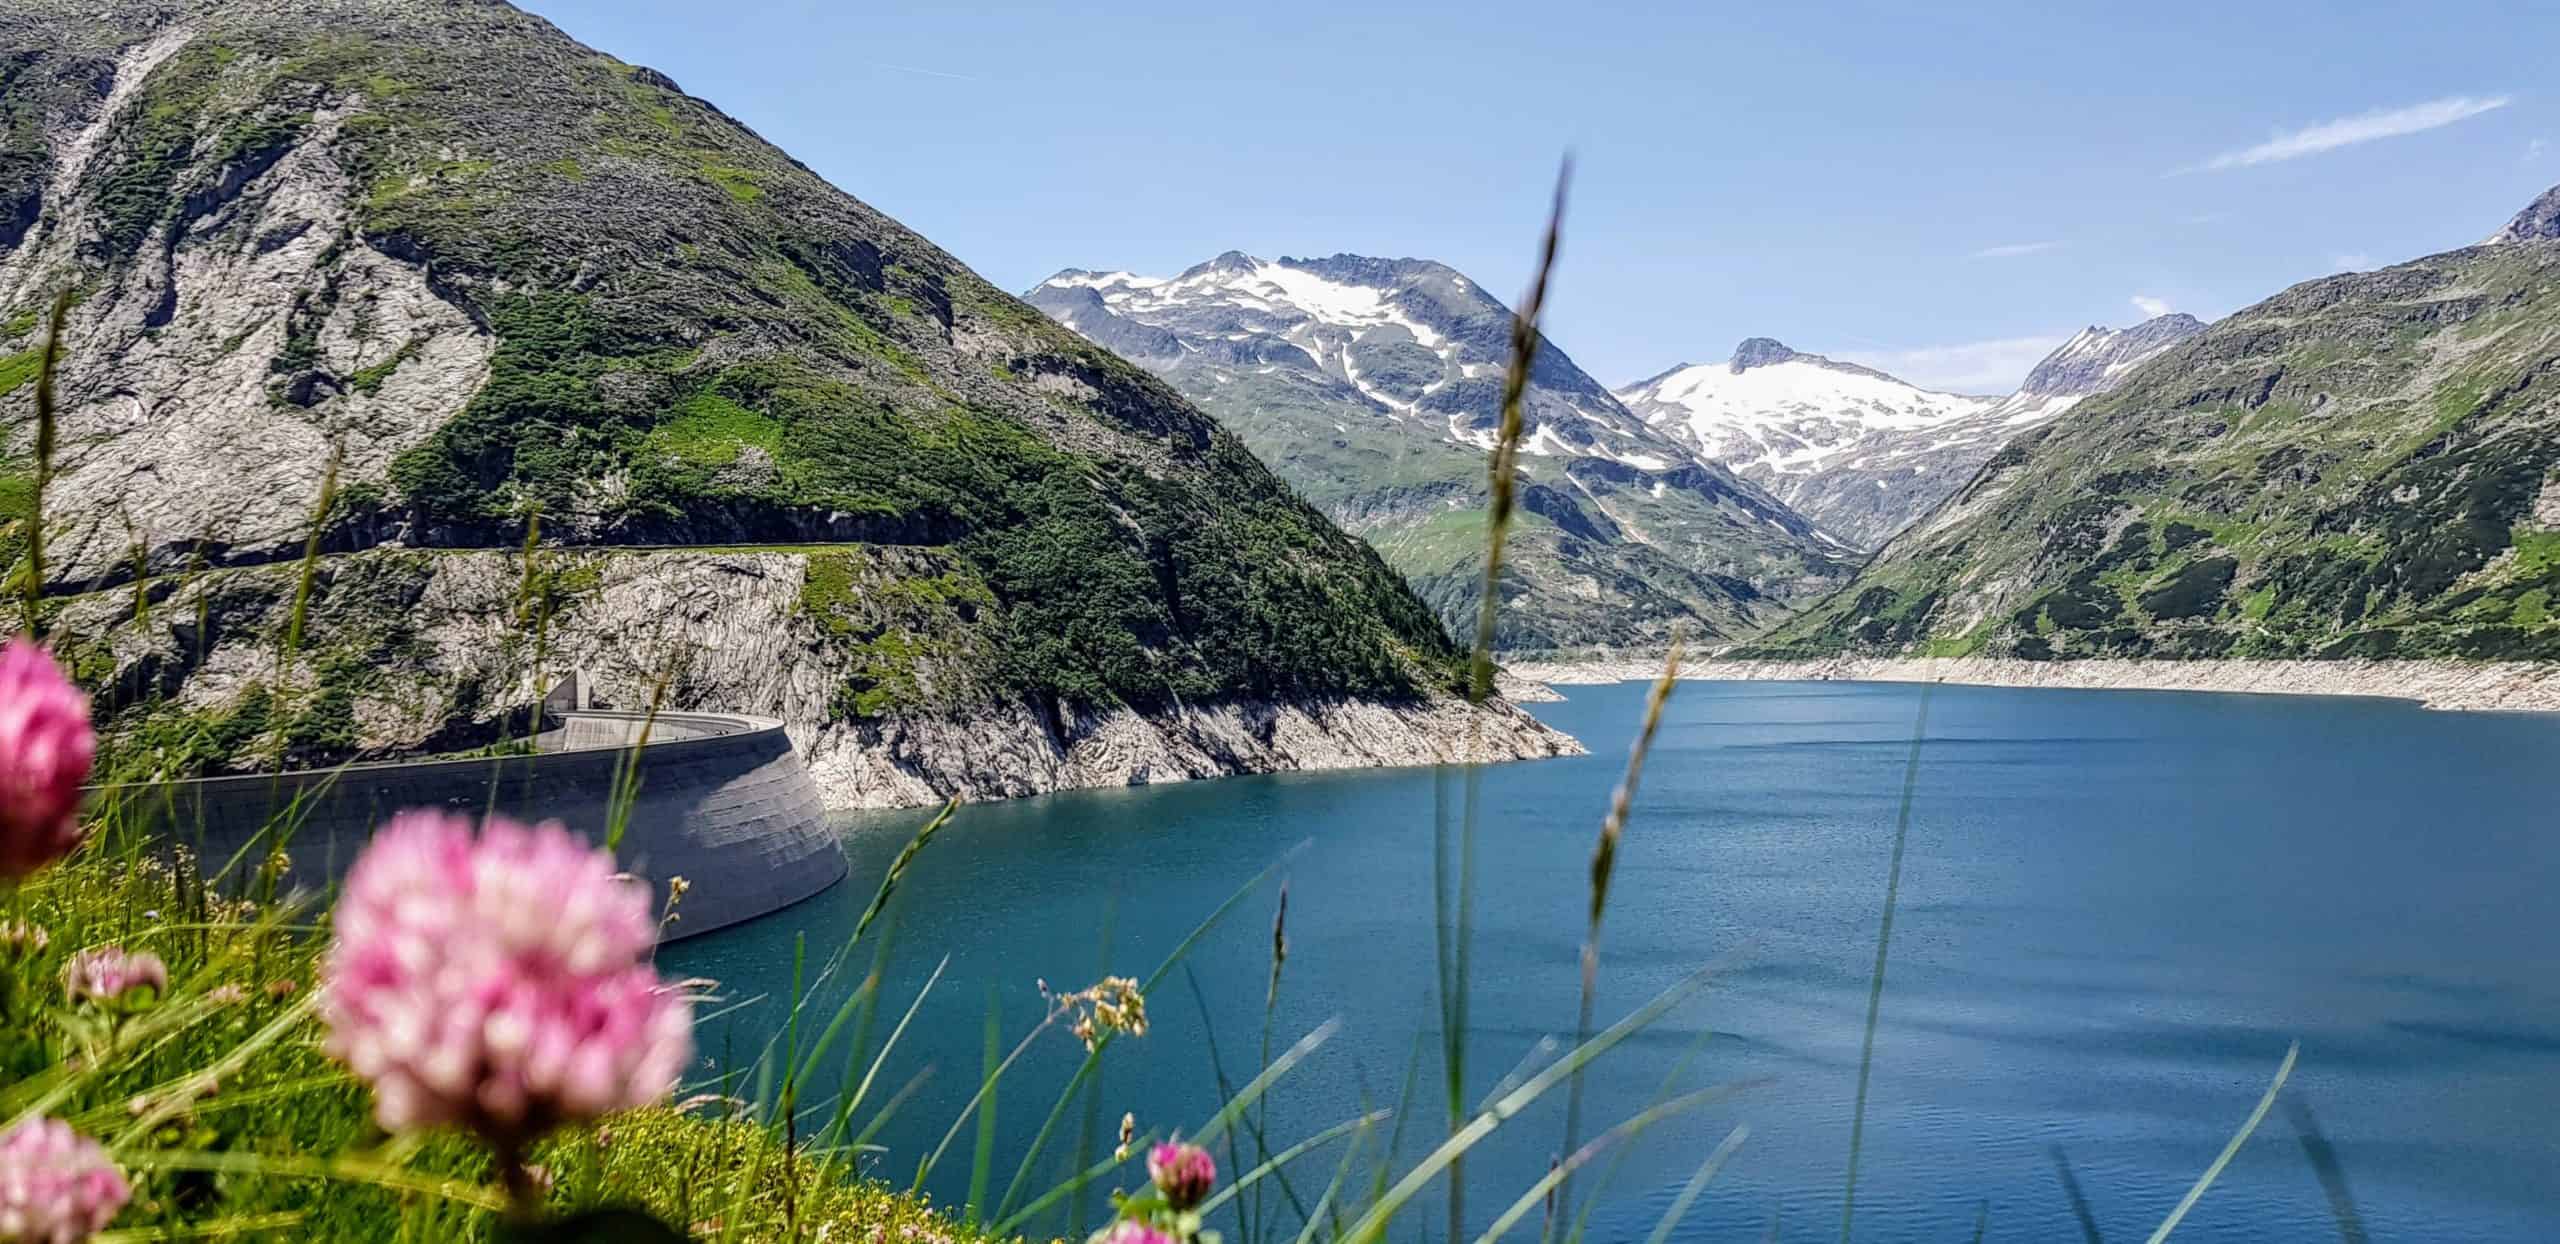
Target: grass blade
1272, 1164
1604, 864
2239, 1138
1372, 1224
982, 1163
1254, 1089
1884, 946
1634, 1125
1697, 1183
1093, 1058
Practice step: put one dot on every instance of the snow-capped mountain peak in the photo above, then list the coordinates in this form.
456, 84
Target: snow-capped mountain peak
1858, 451
1408, 338
1782, 411
1372, 386
2093, 361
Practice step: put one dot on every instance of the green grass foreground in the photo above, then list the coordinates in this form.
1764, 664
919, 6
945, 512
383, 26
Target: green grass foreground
232, 1124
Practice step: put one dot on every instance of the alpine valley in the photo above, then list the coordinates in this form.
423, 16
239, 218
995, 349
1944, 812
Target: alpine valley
1374, 386
1716, 496
462, 281
2360, 466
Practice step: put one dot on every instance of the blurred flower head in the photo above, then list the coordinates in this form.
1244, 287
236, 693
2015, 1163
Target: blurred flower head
1183, 1173
1130, 1231
115, 978
496, 978
56, 1186
20, 940
46, 748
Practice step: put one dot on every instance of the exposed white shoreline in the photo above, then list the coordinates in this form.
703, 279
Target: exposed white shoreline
2510, 686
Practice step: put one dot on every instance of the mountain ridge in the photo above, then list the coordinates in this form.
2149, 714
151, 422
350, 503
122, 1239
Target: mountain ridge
1373, 385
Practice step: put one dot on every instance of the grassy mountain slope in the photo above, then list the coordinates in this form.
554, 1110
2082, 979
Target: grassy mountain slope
506, 275
2362, 465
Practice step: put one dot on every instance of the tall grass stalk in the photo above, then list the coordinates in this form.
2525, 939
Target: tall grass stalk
1092, 1064
627, 775
1454, 936
1262, 1118
1089, 1128
308, 571
1506, 448
982, 1162
48, 365
1884, 946
1604, 864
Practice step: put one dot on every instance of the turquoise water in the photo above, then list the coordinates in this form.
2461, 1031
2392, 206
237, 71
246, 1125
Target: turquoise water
2117, 908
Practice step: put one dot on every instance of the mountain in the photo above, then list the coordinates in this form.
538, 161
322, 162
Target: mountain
2096, 359
2360, 466
1374, 387
785, 455
1802, 426
2538, 222
1859, 452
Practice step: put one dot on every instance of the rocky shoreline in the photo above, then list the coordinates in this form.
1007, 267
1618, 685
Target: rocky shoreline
1007, 753
2492, 686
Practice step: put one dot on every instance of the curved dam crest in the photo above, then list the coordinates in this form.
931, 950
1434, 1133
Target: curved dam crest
723, 802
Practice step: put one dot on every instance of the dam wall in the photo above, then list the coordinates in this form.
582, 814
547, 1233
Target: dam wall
723, 801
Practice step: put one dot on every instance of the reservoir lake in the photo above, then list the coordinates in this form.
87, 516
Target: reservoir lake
2115, 912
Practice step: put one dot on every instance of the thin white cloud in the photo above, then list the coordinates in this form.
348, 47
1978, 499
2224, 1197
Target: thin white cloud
2012, 250
2150, 307
2364, 127
1994, 366
2352, 261
2533, 150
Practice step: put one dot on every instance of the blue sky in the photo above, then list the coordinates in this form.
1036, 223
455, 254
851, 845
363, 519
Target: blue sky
1941, 191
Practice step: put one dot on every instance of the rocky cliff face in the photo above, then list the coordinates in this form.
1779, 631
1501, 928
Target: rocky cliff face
2538, 222
410, 651
1374, 386
505, 281
2361, 466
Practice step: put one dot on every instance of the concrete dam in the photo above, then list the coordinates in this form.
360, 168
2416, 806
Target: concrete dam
722, 801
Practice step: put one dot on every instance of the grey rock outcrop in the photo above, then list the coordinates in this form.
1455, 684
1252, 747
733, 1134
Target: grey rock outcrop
2539, 221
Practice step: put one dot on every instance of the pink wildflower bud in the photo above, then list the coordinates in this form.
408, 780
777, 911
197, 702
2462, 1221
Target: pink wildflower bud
1183, 1173
1129, 1231
56, 1186
116, 978
46, 747
498, 980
